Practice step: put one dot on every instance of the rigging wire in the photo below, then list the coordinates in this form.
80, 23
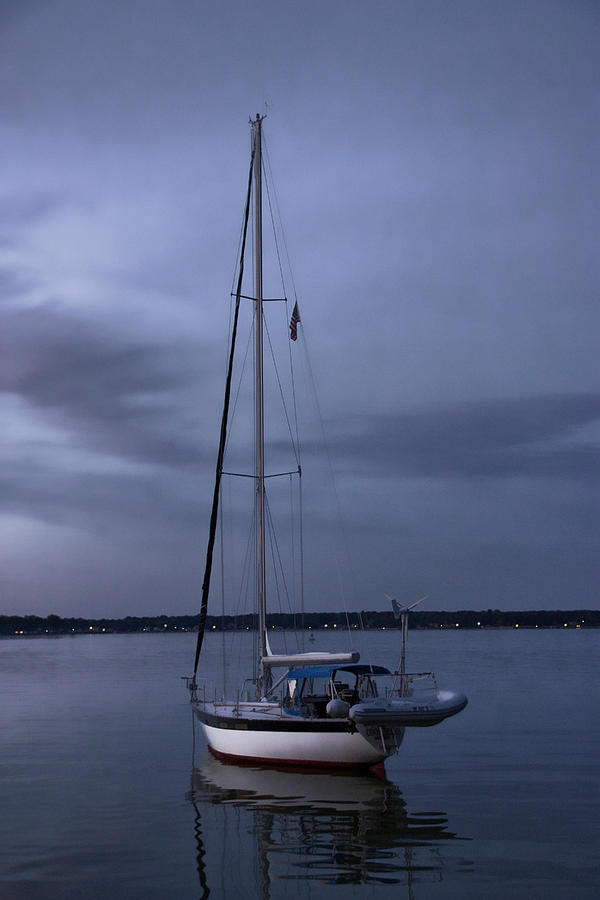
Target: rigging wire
222, 441
276, 216
239, 384
345, 544
222, 560
272, 546
293, 546
269, 179
275, 213
277, 558
279, 384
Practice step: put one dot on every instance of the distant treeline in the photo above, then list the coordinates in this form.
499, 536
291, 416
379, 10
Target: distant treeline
489, 618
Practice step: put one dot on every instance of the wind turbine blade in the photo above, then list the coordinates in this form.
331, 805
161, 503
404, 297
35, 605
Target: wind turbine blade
426, 597
398, 610
395, 606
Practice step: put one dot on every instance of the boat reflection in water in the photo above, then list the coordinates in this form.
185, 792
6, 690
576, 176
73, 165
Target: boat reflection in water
296, 826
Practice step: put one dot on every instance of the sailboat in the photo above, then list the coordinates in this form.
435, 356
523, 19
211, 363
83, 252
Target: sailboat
317, 708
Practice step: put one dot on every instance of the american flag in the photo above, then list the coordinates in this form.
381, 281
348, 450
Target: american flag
294, 323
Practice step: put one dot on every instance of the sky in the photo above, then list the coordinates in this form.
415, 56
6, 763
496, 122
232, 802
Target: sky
436, 171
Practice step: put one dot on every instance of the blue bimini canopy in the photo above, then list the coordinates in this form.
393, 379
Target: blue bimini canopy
329, 671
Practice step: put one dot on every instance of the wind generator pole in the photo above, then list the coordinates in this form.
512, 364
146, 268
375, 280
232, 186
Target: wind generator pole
263, 672
404, 617
401, 612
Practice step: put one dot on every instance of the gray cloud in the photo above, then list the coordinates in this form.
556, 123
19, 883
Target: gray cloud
436, 170
525, 436
116, 395
124, 502
19, 209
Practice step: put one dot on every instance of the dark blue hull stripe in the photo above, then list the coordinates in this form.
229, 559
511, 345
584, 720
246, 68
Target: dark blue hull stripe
291, 724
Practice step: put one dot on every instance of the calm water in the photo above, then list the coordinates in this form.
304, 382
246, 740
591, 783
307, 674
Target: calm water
103, 792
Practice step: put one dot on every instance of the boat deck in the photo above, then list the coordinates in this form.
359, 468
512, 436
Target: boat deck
250, 710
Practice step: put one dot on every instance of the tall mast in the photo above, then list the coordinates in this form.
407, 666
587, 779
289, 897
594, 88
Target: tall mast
263, 673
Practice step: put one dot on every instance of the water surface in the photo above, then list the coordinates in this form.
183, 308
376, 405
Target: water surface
107, 792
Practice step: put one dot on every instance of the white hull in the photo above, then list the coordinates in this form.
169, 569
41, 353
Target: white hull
307, 745
286, 748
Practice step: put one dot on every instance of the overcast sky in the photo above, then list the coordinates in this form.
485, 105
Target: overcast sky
437, 171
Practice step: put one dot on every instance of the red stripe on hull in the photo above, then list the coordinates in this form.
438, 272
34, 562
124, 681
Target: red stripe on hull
232, 758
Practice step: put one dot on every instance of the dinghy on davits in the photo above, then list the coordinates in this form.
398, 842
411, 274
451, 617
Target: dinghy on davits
407, 712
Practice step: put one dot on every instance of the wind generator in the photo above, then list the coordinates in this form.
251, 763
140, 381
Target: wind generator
401, 612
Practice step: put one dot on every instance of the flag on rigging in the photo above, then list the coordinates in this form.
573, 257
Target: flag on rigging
294, 323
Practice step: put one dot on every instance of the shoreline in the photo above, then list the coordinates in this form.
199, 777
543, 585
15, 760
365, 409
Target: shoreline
473, 620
